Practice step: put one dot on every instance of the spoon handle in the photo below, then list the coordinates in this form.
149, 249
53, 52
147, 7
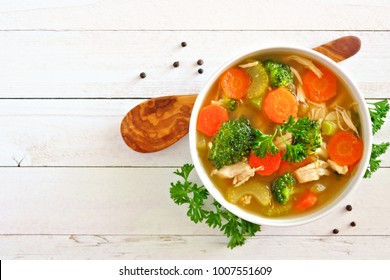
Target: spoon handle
160, 122
340, 49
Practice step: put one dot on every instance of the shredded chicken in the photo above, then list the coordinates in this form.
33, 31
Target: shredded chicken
338, 168
301, 96
331, 116
322, 151
317, 111
280, 144
307, 63
312, 171
240, 172
342, 113
249, 64
296, 74
342, 118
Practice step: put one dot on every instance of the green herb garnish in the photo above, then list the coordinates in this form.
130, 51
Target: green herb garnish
264, 143
187, 192
306, 136
378, 114
376, 152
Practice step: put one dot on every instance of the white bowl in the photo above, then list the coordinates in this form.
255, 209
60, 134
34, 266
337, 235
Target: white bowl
352, 184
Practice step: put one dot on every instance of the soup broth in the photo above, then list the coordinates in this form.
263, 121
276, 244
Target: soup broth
334, 115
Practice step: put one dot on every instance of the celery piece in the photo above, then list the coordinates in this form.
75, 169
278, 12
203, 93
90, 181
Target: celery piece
328, 128
259, 85
258, 190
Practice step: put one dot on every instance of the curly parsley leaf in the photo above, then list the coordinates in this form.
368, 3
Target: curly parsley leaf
186, 192
295, 153
263, 144
306, 136
378, 114
298, 128
376, 152
190, 193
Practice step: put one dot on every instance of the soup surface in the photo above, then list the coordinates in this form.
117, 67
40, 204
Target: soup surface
279, 135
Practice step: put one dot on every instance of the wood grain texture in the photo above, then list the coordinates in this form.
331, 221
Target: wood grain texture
195, 15
157, 123
340, 49
175, 247
44, 64
136, 201
70, 72
84, 132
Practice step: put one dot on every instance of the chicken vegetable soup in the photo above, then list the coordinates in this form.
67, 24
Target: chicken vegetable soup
279, 135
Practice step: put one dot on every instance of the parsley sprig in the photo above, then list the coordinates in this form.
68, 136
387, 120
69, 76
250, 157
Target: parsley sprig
187, 192
306, 133
264, 143
376, 152
378, 112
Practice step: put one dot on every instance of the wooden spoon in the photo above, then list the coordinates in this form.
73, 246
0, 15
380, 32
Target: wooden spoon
160, 122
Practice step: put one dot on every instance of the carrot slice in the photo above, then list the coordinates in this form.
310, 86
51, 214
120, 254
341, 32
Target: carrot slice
268, 164
211, 118
320, 89
345, 148
279, 104
235, 83
307, 201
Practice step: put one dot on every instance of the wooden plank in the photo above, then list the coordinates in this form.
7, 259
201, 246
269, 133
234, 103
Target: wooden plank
107, 64
74, 133
173, 247
83, 132
136, 201
199, 15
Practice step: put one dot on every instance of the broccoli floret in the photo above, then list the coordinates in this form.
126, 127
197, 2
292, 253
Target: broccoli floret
279, 73
312, 138
282, 188
228, 103
232, 143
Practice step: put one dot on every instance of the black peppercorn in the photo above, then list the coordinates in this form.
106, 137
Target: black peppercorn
142, 75
348, 207
183, 44
200, 70
176, 64
335, 231
199, 62
353, 224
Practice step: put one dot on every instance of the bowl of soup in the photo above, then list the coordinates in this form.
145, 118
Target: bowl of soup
280, 136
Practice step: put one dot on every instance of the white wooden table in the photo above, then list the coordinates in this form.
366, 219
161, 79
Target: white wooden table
69, 71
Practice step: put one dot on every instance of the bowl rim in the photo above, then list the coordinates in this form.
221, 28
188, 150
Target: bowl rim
351, 184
